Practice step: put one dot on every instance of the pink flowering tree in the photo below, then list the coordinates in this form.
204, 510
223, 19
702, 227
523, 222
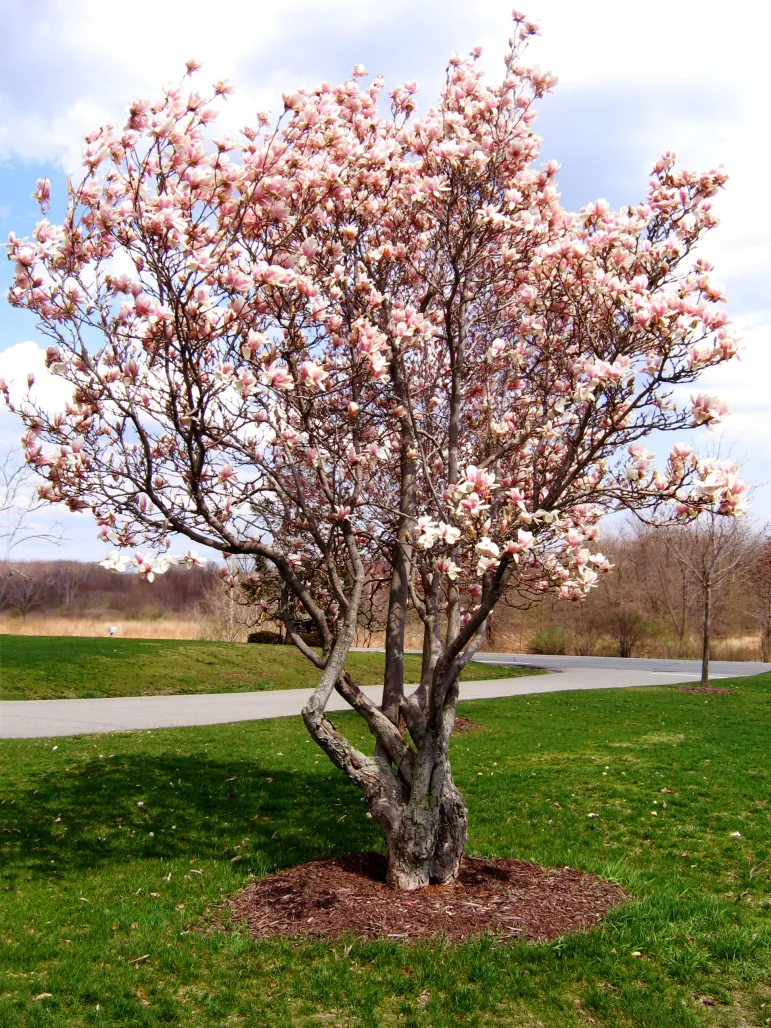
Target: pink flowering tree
373, 348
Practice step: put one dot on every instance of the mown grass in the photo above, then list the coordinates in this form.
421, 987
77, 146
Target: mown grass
113, 849
65, 667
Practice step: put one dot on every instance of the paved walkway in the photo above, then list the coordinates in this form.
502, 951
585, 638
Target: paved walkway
27, 719
653, 665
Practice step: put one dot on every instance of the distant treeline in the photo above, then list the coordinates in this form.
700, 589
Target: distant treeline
667, 586
76, 588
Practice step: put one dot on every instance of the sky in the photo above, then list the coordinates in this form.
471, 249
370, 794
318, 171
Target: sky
635, 79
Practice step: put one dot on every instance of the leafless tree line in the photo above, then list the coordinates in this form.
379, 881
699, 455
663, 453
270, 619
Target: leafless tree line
74, 588
673, 591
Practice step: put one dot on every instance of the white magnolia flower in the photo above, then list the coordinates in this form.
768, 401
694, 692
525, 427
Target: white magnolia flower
115, 562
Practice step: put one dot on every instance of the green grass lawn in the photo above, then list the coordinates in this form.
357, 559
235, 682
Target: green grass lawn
114, 848
64, 667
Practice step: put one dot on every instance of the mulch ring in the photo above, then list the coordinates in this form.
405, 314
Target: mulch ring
704, 690
348, 896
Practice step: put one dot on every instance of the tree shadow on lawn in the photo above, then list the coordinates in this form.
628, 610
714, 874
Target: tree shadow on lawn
105, 811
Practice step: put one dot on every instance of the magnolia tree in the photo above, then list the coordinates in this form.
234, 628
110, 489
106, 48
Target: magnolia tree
364, 347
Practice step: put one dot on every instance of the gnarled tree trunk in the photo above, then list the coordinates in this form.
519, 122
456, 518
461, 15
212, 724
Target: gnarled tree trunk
408, 788
426, 843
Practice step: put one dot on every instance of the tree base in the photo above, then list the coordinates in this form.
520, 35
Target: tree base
349, 896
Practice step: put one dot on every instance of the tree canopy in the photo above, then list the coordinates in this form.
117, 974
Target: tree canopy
373, 348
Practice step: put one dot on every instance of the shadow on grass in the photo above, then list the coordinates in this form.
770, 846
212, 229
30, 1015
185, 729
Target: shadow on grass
168, 807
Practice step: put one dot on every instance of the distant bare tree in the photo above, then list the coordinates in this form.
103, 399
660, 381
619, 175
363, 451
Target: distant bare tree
712, 551
586, 632
67, 579
19, 503
24, 585
228, 610
621, 602
627, 628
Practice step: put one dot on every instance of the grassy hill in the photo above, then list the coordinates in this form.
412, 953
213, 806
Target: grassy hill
62, 667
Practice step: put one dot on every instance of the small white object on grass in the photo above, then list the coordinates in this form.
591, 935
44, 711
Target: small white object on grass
112, 630
736, 835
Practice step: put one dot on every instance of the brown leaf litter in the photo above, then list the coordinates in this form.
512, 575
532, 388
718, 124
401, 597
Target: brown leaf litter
704, 690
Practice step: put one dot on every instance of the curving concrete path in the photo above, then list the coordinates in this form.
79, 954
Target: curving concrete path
28, 719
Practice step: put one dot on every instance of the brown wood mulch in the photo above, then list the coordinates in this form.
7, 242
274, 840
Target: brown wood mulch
703, 690
347, 895
465, 724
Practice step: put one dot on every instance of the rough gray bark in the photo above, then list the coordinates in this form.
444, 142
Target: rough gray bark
408, 789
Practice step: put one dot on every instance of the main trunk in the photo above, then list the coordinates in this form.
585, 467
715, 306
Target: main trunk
407, 782
425, 845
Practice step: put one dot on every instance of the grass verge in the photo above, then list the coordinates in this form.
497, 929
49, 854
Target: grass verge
113, 848
67, 667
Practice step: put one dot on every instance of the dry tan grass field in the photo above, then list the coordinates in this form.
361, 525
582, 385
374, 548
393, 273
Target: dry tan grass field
507, 639
171, 628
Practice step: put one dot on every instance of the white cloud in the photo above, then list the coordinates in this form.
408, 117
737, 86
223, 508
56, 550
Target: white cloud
603, 40
23, 359
744, 382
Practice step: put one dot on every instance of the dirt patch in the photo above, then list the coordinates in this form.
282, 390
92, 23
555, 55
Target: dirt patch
464, 724
348, 895
704, 690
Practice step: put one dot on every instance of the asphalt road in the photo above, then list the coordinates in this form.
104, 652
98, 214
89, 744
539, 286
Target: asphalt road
691, 668
28, 719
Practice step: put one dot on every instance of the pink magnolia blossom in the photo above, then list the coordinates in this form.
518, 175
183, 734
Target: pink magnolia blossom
722, 487
313, 376
115, 562
682, 450
708, 410
485, 564
448, 567
477, 481
449, 534
278, 377
426, 532
473, 505
487, 548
